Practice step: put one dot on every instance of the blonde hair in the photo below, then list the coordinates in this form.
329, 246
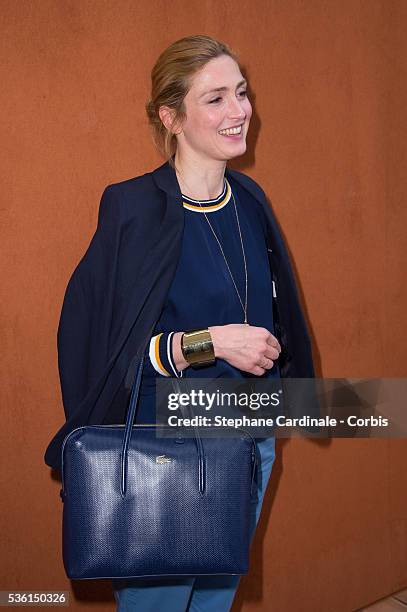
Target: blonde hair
171, 79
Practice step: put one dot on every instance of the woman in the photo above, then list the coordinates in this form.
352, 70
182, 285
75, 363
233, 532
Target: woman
191, 245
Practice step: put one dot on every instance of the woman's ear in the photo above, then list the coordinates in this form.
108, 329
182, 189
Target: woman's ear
168, 118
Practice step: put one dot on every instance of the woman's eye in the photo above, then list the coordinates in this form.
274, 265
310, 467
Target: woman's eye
215, 100
243, 93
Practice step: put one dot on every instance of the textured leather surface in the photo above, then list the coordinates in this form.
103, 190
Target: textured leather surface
163, 525
136, 504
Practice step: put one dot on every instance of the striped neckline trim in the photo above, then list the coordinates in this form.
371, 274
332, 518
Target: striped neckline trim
209, 205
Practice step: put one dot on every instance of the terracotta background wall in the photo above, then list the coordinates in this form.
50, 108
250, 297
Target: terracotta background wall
327, 143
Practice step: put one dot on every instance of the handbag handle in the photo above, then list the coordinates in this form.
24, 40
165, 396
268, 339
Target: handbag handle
127, 436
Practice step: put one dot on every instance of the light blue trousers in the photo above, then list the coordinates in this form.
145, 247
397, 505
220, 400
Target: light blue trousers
194, 593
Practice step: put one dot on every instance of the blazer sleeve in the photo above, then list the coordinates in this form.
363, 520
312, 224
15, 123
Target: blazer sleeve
83, 336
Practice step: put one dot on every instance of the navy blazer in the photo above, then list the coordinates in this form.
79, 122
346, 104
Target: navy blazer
115, 295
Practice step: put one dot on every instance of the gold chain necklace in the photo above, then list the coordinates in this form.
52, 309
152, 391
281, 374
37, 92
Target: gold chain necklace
244, 307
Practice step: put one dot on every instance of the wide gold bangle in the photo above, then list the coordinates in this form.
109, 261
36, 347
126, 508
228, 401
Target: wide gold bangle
197, 347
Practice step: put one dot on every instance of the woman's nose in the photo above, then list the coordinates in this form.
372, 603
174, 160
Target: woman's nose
236, 110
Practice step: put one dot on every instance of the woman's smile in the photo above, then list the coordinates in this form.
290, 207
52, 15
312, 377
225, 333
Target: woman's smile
234, 133
216, 103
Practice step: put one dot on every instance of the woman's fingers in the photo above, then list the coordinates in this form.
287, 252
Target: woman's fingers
266, 364
272, 340
271, 353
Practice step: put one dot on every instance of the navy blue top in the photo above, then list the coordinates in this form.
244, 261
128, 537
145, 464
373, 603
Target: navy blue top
202, 291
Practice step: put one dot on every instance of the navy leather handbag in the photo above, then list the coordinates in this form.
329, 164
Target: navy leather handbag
139, 505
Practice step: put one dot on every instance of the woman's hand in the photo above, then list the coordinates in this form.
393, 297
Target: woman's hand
248, 348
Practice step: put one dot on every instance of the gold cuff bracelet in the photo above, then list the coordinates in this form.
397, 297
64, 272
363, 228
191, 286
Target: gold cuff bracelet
197, 347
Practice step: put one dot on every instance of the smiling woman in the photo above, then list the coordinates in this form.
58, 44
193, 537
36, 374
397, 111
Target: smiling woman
217, 118
197, 84
200, 114
197, 280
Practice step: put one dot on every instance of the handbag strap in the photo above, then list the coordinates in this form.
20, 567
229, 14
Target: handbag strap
129, 426
131, 412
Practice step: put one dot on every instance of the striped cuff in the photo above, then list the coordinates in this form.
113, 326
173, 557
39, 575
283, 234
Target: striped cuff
160, 353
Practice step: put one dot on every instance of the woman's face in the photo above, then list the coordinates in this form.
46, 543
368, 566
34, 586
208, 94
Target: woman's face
216, 101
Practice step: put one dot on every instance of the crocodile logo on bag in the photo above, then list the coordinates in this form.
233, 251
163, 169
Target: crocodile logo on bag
162, 459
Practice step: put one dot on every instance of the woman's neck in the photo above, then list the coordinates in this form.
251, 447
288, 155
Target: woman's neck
198, 180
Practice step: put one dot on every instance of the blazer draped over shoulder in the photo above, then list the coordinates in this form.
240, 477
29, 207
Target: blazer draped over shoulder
116, 293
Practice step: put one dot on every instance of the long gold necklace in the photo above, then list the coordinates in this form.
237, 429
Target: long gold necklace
244, 307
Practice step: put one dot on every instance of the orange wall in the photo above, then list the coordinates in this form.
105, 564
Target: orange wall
328, 82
